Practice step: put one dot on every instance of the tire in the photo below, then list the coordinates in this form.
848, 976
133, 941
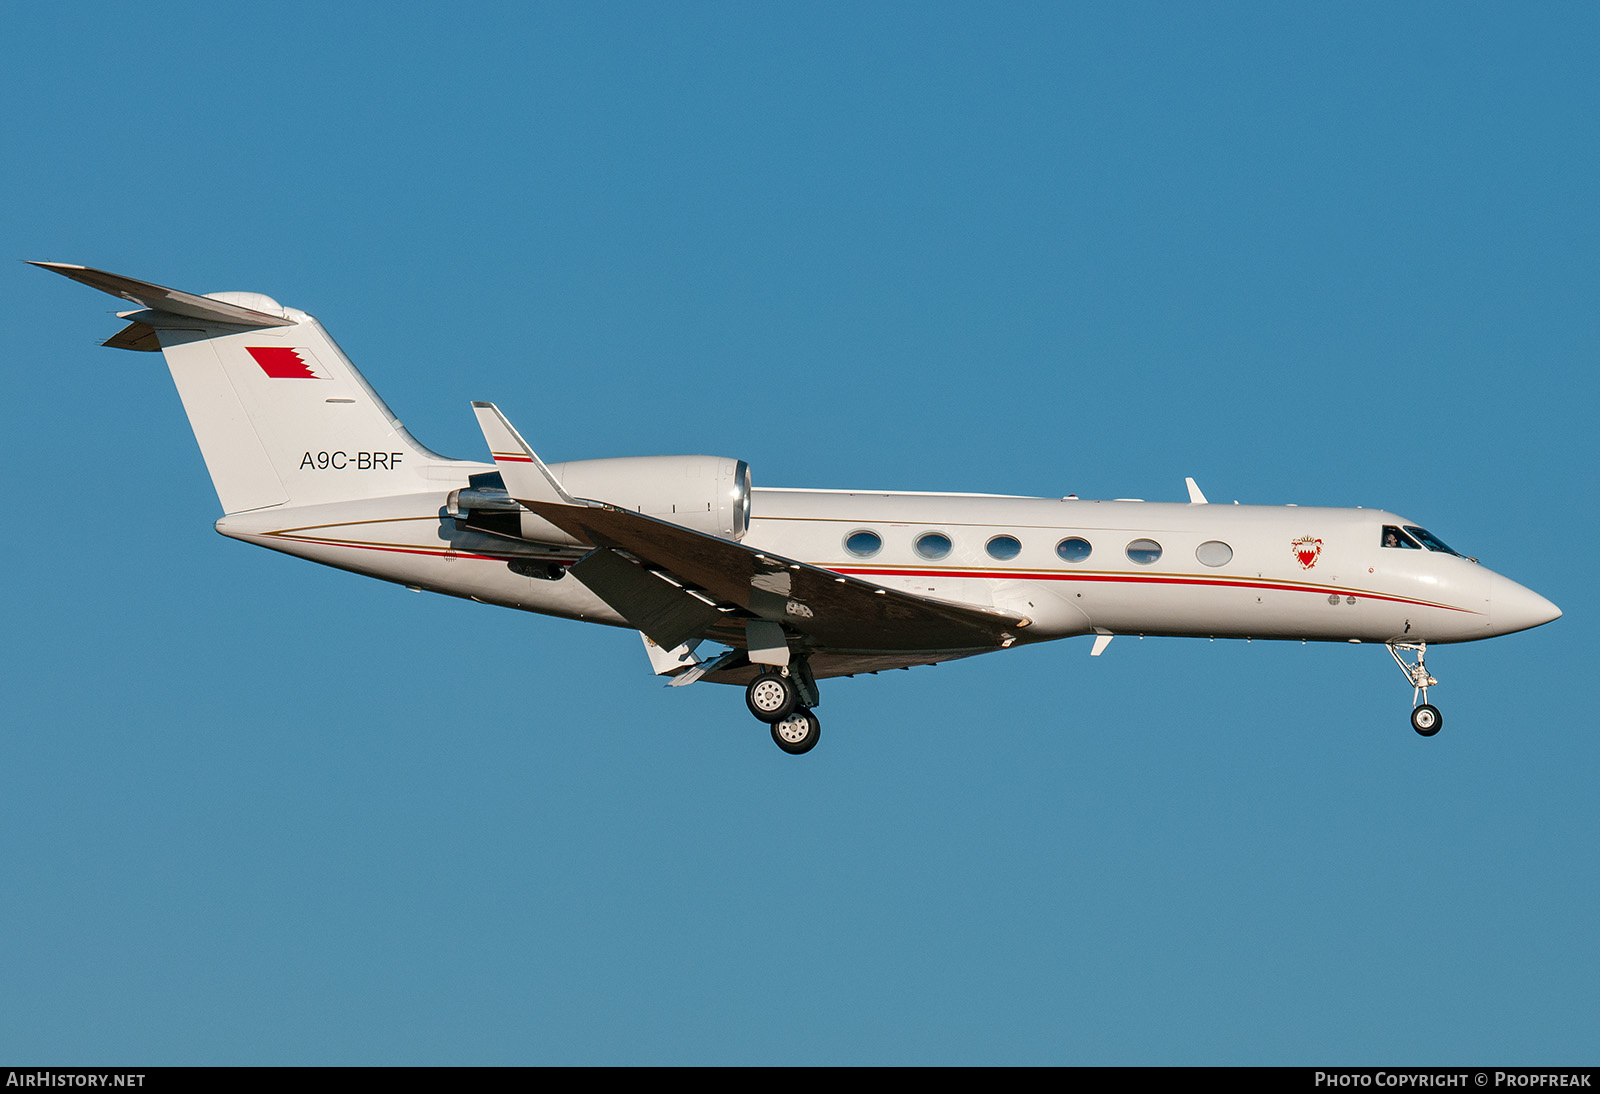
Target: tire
1427, 720
798, 733
771, 697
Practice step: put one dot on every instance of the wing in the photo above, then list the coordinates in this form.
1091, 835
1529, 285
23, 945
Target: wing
676, 584
831, 610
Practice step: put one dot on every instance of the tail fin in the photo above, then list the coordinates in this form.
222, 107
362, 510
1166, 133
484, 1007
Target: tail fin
281, 415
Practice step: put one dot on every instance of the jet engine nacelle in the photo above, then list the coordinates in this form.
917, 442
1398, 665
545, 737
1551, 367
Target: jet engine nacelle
710, 494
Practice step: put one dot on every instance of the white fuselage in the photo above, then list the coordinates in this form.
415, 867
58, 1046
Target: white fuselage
799, 585
1281, 571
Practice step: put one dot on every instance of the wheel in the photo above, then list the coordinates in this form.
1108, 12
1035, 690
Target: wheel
771, 697
1427, 720
798, 733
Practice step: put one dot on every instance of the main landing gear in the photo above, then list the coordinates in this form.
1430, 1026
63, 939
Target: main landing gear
797, 733
1425, 717
783, 698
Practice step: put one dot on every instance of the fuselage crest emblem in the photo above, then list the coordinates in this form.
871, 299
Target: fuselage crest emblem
1307, 549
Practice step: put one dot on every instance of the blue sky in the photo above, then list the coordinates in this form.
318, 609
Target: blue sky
258, 811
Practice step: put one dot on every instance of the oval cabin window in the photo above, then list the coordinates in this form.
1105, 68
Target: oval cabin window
933, 545
863, 544
1004, 547
1073, 549
1144, 551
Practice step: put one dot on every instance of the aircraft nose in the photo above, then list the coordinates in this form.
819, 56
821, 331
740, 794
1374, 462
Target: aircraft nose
1515, 608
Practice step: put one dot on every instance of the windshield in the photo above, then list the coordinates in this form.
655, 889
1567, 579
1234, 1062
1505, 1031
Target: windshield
1431, 541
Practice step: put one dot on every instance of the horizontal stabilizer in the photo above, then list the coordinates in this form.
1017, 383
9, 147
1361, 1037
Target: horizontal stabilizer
136, 336
162, 299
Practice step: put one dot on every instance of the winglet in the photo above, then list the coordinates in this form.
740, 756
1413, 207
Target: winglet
1195, 496
524, 473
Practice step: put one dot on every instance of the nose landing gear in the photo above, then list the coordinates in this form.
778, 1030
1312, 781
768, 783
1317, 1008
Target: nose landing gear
1425, 717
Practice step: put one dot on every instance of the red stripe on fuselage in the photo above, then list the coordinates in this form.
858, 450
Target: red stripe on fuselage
436, 552
1141, 579
1149, 579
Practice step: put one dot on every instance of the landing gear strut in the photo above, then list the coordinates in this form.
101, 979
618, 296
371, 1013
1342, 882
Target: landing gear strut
1425, 717
783, 698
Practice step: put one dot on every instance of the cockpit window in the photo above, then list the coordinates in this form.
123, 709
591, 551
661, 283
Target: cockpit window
1431, 541
1394, 537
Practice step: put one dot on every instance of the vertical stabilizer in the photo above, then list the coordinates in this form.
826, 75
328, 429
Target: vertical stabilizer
281, 415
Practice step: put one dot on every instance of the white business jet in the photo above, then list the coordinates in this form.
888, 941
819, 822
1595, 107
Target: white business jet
789, 586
